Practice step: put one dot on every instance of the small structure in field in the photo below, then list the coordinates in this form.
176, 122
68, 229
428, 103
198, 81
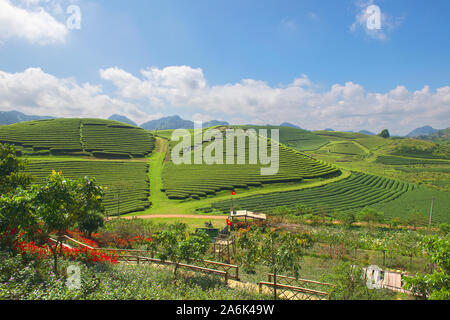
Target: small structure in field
248, 215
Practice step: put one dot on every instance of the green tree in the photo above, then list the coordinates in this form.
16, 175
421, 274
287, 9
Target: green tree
61, 203
281, 251
385, 134
90, 223
247, 252
349, 283
434, 286
348, 218
370, 216
177, 245
17, 212
12, 168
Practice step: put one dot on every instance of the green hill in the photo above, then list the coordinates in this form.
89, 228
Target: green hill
442, 136
126, 182
184, 181
357, 191
347, 148
296, 138
96, 137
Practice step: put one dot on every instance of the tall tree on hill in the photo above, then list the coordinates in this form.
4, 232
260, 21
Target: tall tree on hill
385, 134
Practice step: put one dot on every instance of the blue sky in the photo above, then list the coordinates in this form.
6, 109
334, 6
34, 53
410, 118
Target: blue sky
198, 54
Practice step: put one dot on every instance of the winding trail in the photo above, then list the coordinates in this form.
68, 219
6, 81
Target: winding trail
186, 216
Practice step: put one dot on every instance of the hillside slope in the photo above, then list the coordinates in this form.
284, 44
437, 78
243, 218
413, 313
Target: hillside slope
96, 137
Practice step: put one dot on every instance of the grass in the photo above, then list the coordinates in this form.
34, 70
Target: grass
419, 200
20, 281
350, 147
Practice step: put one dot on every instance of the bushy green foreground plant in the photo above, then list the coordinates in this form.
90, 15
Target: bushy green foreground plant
434, 286
24, 280
349, 284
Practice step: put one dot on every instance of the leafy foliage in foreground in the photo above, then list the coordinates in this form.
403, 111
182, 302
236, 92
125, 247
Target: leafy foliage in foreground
434, 286
22, 280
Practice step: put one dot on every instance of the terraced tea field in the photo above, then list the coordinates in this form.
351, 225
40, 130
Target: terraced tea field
61, 134
96, 137
298, 139
184, 181
346, 148
394, 160
126, 181
357, 191
102, 136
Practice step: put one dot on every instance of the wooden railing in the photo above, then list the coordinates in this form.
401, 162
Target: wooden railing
293, 292
309, 284
292, 288
231, 271
143, 260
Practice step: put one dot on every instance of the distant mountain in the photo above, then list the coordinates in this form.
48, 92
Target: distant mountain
287, 124
367, 132
167, 123
328, 129
11, 117
118, 117
176, 122
423, 131
214, 123
442, 136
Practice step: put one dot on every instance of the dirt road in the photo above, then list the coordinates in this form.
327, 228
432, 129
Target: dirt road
187, 216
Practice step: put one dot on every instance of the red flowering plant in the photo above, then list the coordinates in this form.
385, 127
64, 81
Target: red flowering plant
31, 251
77, 235
89, 256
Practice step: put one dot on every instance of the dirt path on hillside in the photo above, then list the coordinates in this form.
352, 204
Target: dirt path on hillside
187, 216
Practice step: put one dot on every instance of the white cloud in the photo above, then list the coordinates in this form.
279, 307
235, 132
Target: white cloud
38, 93
388, 22
29, 21
342, 107
346, 106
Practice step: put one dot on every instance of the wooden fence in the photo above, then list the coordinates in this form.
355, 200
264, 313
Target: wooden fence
296, 289
231, 271
146, 260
